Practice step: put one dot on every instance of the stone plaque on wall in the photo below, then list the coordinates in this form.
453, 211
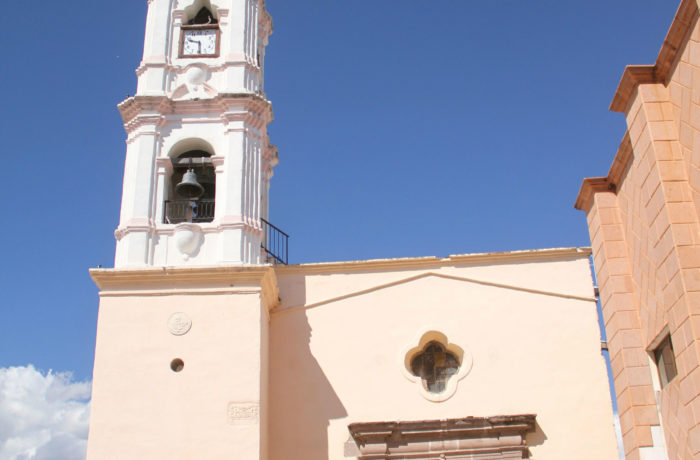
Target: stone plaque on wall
242, 413
179, 323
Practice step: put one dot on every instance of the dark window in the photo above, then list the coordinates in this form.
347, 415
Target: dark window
665, 361
434, 365
203, 17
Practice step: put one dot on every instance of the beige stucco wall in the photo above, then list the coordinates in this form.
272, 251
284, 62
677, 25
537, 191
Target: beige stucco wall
339, 338
141, 409
317, 347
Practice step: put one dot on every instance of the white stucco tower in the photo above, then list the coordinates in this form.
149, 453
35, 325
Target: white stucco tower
199, 106
181, 357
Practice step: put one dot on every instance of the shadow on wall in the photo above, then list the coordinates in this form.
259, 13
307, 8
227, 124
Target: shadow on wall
302, 400
536, 438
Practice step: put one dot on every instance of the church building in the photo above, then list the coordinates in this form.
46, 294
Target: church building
209, 346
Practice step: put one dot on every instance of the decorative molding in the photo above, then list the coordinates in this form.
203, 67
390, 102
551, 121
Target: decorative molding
188, 239
123, 231
589, 187
212, 64
166, 279
633, 76
624, 156
234, 103
164, 165
496, 437
432, 261
155, 121
593, 185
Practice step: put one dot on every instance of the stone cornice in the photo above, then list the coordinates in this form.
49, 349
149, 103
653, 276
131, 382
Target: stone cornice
244, 223
227, 102
212, 64
427, 262
166, 280
470, 437
591, 185
633, 76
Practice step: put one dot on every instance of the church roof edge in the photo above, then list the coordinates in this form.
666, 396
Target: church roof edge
634, 75
410, 262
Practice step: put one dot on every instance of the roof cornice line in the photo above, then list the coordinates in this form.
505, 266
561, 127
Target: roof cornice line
634, 75
609, 183
285, 311
432, 261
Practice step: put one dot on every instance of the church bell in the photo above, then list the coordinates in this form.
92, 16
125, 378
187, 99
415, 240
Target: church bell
189, 187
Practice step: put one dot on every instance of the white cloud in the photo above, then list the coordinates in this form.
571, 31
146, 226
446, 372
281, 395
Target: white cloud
42, 416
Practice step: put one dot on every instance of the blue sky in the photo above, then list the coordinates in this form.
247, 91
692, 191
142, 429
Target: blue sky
405, 128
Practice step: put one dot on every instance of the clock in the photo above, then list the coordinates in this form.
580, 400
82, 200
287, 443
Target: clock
199, 42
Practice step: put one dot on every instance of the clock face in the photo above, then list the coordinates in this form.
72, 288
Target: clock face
199, 42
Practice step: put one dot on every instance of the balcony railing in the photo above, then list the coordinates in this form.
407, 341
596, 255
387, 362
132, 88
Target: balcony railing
179, 211
275, 243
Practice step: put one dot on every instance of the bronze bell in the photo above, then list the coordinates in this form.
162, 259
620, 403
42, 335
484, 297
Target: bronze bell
189, 187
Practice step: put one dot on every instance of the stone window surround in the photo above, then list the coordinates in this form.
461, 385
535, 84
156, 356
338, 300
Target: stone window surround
495, 437
418, 345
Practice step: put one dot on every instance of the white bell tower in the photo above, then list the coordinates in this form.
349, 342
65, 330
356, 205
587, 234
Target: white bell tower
199, 107
181, 357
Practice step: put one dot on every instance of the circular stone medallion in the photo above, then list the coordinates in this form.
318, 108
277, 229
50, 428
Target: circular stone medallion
179, 324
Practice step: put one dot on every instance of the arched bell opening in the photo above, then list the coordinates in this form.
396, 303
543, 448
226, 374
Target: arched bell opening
201, 12
191, 189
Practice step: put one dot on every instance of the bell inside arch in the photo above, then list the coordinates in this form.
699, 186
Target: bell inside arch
189, 187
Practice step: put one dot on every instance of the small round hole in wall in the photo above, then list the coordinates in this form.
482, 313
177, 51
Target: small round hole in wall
177, 365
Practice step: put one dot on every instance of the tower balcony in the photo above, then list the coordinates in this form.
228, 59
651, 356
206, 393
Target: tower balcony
275, 241
195, 211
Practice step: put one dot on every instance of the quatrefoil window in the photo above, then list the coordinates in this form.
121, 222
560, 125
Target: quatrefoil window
434, 365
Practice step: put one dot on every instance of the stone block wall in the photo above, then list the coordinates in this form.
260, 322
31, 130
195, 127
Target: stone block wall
644, 227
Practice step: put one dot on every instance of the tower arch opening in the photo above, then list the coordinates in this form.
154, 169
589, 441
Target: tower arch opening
191, 188
201, 12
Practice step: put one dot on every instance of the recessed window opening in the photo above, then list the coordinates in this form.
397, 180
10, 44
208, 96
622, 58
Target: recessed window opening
203, 17
192, 189
435, 365
665, 361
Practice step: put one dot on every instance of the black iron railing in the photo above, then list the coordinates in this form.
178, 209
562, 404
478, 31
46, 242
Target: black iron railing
178, 211
275, 243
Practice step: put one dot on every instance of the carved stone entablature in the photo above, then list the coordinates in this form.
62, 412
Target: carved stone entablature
260, 108
154, 121
135, 105
496, 437
231, 60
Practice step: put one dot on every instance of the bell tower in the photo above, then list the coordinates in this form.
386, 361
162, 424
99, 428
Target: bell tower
182, 335
198, 158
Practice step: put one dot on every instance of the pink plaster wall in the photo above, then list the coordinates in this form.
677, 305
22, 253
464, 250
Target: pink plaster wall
339, 338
